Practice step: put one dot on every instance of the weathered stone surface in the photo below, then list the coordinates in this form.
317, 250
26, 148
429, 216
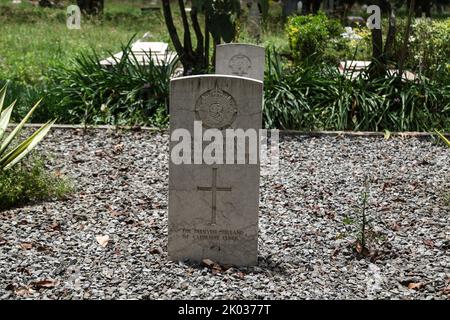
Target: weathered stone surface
213, 208
244, 60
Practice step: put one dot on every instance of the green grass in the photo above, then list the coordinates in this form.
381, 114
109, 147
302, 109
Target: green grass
36, 39
30, 182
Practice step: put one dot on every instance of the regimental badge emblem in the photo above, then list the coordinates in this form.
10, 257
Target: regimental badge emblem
216, 109
240, 65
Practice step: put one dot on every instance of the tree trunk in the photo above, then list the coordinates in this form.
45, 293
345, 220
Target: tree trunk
191, 60
46, 3
406, 38
379, 56
91, 7
390, 38
377, 67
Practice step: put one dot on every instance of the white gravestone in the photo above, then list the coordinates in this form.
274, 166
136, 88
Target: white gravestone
144, 51
239, 59
213, 208
254, 19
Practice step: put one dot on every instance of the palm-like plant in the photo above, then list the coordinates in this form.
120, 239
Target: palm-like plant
10, 156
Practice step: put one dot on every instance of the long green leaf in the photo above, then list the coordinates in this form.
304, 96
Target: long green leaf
2, 97
15, 155
17, 129
4, 119
447, 142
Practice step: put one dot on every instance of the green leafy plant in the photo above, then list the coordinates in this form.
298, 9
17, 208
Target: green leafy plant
369, 243
429, 47
315, 96
308, 35
126, 93
29, 182
11, 156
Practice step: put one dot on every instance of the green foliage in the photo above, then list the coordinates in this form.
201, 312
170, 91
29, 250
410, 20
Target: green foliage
222, 15
443, 138
219, 22
429, 47
29, 182
34, 39
10, 156
309, 95
25, 95
126, 93
308, 35
318, 97
338, 48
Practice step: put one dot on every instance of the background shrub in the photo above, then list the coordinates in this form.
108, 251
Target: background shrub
126, 93
429, 47
318, 97
308, 35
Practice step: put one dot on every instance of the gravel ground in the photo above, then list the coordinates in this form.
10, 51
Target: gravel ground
309, 218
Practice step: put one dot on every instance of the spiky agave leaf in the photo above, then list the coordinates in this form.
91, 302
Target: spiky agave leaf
16, 154
4, 118
17, 129
12, 157
2, 97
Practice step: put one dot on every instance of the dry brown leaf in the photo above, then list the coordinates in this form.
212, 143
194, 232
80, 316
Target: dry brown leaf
415, 285
24, 270
55, 226
359, 248
118, 148
99, 153
102, 240
386, 185
26, 245
23, 291
113, 212
335, 252
429, 243
43, 248
11, 287
46, 284
225, 267
155, 251
446, 290
208, 262
215, 267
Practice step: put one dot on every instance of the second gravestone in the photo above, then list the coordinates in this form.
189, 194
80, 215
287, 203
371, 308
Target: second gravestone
214, 203
239, 59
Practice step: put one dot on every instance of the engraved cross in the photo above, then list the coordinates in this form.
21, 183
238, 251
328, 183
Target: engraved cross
214, 189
